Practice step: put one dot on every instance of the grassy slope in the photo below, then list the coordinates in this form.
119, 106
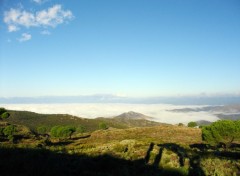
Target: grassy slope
34, 120
123, 148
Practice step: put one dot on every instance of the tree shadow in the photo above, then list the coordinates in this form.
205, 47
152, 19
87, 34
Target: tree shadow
182, 153
61, 143
81, 137
150, 148
38, 162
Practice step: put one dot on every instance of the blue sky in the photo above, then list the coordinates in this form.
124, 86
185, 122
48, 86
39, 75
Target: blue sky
133, 48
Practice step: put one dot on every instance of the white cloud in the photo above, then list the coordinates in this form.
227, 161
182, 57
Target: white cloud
45, 32
51, 17
12, 28
158, 111
39, 1
25, 37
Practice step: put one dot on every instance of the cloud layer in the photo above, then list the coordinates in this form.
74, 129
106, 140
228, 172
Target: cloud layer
51, 17
158, 111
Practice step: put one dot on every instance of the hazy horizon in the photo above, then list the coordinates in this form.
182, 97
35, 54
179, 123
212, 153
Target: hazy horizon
158, 112
108, 98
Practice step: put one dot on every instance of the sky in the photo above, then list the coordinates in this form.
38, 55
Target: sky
136, 48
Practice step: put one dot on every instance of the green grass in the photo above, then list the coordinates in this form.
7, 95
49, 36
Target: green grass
156, 150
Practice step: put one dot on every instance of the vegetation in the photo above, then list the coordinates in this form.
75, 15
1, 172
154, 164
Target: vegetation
62, 131
2, 110
34, 120
3, 113
81, 129
224, 131
142, 151
9, 132
192, 124
42, 130
180, 124
102, 126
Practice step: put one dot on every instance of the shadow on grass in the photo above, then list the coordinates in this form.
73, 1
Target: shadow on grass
193, 155
15, 161
81, 137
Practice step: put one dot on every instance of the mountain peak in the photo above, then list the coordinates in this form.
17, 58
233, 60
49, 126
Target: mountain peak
133, 115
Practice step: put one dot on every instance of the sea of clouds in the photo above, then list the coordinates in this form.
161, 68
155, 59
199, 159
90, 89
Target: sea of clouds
159, 112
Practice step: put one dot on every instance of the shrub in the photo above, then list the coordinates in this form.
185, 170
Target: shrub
180, 124
225, 131
62, 131
192, 124
5, 115
42, 130
2, 110
102, 126
9, 132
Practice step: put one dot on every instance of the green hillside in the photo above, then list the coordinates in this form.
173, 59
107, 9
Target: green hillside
158, 149
34, 120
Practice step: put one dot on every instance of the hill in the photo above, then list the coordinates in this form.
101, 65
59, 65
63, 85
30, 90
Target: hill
132, 115
203, 122
34, 120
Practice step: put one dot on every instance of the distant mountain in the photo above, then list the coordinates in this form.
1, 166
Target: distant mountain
203, 122
132, 116
227, 109
229, 116
133, 119
108, 98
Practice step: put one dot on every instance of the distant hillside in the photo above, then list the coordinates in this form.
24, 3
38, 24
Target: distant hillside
133, 119
229, 116
233, 109
203, 122
132, 115
34, 120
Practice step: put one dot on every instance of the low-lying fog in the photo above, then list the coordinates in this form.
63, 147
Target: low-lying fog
159, 112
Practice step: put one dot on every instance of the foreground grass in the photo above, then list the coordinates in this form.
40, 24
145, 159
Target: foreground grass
160, 150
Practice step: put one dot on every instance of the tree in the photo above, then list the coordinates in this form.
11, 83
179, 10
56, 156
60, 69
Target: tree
102, 126
5, 115
180, 124
2, 110
69, 130
192, 124
9, 132
54, 131
62, 131
223, 131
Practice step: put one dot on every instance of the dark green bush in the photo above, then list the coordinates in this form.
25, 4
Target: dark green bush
2, 110
225, 131
9, 130
5, 115
192, 124
62, 131
102, 126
